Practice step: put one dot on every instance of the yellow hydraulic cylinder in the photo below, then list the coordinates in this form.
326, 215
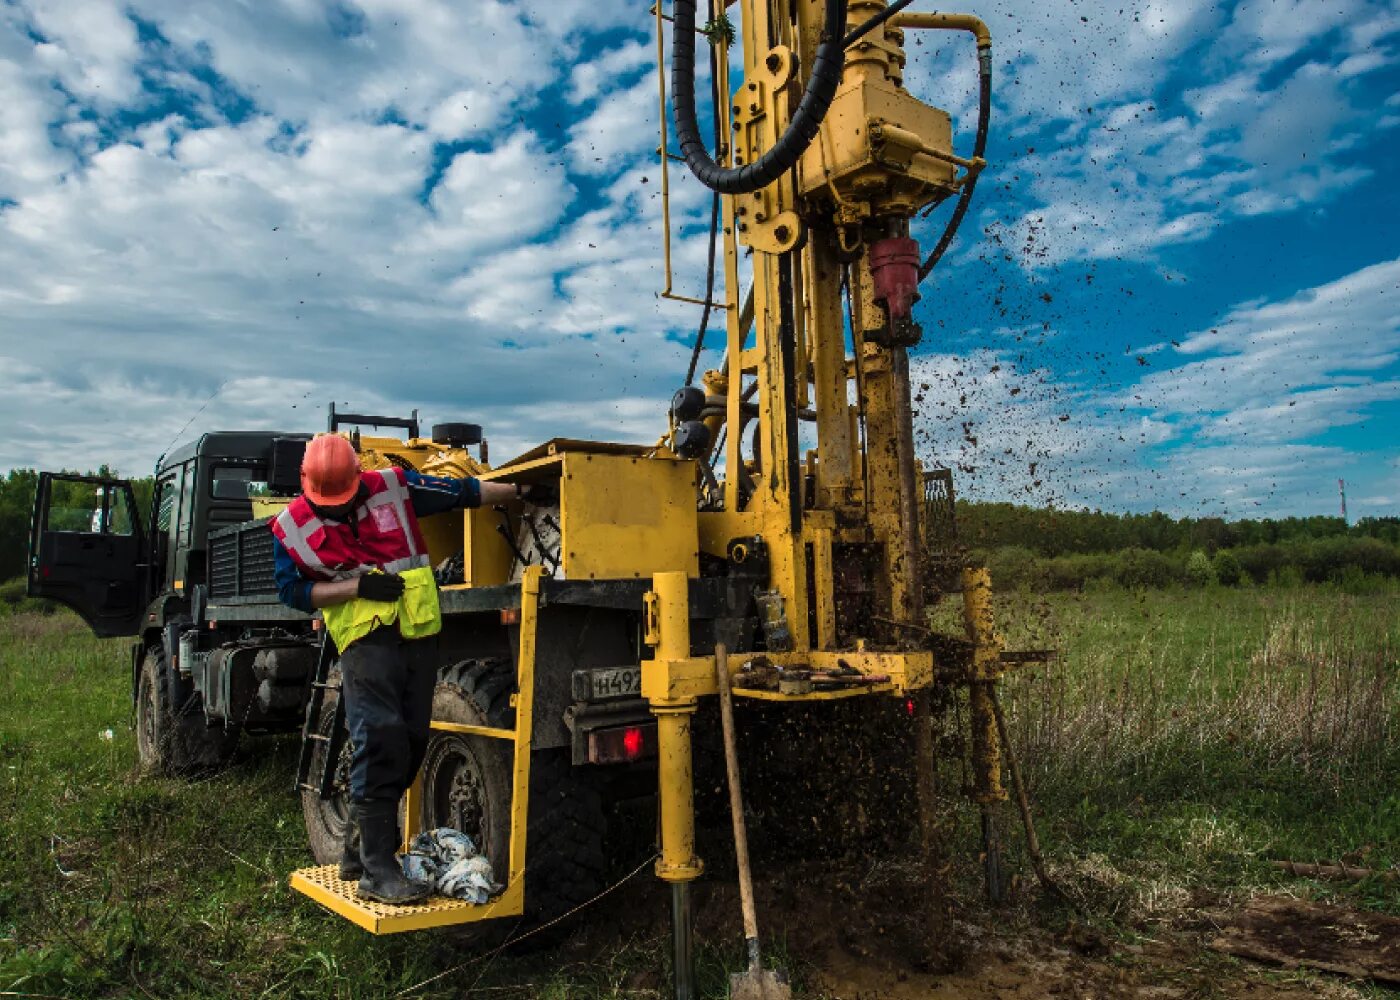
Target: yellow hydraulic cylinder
978, 618
981, 631
671, 624
678, 862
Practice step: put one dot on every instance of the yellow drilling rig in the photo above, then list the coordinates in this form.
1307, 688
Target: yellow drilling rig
783, 515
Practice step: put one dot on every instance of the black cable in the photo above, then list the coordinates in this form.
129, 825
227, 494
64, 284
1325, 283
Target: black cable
984, 114
857, 33
801, 130
714, 221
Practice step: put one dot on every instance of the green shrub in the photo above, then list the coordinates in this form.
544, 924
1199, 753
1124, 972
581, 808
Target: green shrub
1228, 570
1014, 567
1137, 568
1286, 576
1199, 571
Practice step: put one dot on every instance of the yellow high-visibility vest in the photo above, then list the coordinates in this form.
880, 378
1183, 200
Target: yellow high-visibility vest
416, 611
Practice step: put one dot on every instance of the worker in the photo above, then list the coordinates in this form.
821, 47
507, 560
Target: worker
351, 547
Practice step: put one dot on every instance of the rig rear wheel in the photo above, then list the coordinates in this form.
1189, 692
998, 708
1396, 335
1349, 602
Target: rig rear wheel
467, 786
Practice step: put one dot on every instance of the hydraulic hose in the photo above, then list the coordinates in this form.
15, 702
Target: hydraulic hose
979, 148
801, 130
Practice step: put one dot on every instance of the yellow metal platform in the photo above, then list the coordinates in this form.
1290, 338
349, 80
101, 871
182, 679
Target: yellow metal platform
325, 886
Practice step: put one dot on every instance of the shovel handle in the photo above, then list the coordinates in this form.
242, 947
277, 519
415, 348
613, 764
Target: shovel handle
736, 801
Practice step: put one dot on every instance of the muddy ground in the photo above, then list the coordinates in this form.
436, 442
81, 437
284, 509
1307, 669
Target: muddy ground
881, 949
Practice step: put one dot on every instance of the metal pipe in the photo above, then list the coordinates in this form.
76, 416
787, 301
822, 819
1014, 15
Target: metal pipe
683, 941
960, 22
911, 556
666, 157
953, 22
991, 855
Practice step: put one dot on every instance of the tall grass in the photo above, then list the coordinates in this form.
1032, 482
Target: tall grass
1312, 687
1189, 737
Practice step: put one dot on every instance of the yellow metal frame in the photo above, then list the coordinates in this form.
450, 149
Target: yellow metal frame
324, 885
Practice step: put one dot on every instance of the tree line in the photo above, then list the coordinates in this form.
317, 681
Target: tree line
1071, 549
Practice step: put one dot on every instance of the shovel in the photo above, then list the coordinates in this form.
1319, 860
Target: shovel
757, 983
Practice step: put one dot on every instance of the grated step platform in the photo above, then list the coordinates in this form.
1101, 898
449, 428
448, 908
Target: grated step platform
324, 885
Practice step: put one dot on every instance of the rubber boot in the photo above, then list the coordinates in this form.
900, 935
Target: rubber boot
383, 880
351, 868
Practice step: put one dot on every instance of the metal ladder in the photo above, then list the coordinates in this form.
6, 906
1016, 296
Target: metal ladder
311, 737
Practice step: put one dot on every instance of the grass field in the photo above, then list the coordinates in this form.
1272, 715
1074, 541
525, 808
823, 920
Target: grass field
1182, 741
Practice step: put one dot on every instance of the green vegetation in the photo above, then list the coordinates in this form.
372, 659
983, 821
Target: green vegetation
1186, 739
1182, 741
1072, 550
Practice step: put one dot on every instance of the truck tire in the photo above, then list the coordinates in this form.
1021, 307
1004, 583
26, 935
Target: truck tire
173, 740
467, 786
327, 820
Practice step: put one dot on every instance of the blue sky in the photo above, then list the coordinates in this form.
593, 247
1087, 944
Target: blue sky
1179, 287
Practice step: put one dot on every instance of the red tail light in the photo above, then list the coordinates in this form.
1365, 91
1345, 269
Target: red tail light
909, 706
622, 745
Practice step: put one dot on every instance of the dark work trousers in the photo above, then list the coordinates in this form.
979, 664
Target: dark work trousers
387, 682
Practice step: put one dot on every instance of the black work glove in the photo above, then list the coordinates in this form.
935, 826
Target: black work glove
540, 495
380, 587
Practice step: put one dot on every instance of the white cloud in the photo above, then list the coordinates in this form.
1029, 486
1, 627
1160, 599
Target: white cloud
1317, 349
618, 129
1131, 171
501, 196
1231, 425
295, 231
590, 80
90, 45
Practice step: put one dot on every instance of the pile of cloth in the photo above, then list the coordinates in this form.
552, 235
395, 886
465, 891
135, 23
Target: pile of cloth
448, 861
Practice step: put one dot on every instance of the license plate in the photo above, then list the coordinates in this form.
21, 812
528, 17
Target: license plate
607, 682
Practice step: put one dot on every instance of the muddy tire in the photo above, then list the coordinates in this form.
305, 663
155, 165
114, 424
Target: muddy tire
327, 820
173, 740
467, 786
467, 779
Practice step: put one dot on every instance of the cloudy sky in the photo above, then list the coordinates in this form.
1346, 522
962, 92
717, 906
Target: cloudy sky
1179, 287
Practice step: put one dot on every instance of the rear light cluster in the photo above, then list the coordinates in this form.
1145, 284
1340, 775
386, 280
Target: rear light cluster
622, 744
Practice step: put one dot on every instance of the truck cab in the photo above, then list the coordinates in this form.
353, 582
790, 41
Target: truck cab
90, 550
196, 685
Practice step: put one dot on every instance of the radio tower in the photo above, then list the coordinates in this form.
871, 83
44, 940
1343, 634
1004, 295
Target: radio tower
1342, 489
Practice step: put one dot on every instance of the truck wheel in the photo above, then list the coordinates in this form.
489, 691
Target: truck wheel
327, 820
467, 786
174, 740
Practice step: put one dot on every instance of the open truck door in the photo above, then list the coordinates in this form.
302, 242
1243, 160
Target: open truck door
87, 550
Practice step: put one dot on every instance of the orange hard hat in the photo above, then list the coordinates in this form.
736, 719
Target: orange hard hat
330, 471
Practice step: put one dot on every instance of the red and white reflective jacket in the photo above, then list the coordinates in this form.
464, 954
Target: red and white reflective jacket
386, 534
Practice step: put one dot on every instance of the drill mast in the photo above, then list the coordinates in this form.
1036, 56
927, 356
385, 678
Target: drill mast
829, 479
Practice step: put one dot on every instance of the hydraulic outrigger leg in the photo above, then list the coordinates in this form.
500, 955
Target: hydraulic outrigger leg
669, 626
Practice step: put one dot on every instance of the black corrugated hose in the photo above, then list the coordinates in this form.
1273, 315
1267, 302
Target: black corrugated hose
801, 130
979, 147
